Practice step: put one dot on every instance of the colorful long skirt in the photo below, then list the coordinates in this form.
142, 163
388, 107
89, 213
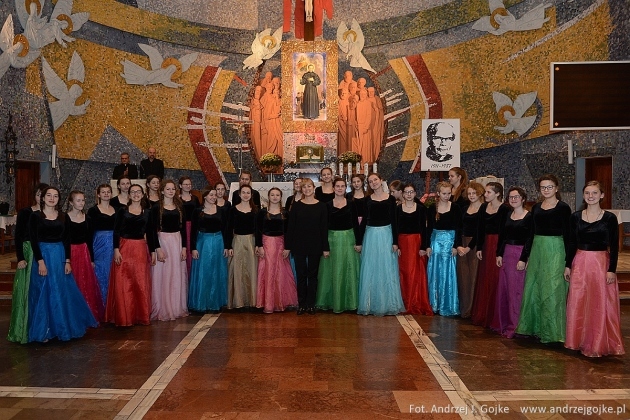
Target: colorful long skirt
442, 274
485, 298
169, 286
593, 318
379, 279
103, 245
242, 273
129, 299
18, 328
85, 277
509, 292
467, 267
413, 275
208, 277
55, 304
338, 276
543, 310
276, 288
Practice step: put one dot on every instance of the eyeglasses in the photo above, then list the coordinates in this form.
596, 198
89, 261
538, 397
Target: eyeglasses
547, 187
136, 192
514, 197
408, 192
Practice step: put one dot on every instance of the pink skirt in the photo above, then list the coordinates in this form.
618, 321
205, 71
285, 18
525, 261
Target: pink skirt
169, 293
276, 285
86, 279
593, 315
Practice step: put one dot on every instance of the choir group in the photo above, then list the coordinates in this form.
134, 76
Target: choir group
155, 255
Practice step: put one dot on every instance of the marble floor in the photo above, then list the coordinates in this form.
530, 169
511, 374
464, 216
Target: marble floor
259, 366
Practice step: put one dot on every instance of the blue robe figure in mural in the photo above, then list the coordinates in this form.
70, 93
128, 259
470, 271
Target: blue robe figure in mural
310, 99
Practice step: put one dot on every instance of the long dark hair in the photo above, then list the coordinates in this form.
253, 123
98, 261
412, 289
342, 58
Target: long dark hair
144, 201
42, 204
463, 182
253, 206
281, 207
39, 187
176, 200
552, 178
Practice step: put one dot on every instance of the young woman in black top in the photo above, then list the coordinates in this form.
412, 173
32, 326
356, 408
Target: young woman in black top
357, 194
122, 199
325, 192
190, 204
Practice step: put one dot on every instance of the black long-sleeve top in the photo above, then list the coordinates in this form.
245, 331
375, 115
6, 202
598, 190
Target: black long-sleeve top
345, 218
358, 202
80, 233
115, 202
100, 220
414, 222
514, 232
307, 233
45, 230
470, 225
240, 223
134, 226
270, 225
171, 222
322, 196
22, 233
381, 213
451, 220
189, 208
462, 202
208, 223
552, 222
601, 235
289, 203
490, 224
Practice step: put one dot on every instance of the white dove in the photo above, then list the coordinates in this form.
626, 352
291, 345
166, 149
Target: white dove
163, 71
65, 106
61, 24
511, 113
501, 20
351, 42
264, 47
17, 51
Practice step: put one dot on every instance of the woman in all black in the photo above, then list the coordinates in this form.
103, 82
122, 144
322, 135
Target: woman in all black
190, 203
357, 194
297, 194
122, 199
307, 240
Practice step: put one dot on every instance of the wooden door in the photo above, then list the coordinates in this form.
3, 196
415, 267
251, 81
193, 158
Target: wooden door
600, 169
26, 177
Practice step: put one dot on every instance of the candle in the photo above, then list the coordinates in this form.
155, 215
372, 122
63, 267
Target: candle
374, 168
333, 169
358, 167
349, 168
340, 168
365, 168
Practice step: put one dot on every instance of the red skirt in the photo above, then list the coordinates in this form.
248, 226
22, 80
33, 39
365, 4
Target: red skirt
413, 275
85, 278
593, 319
129, 295
484, 302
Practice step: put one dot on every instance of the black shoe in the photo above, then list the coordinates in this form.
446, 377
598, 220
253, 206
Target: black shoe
301, 311
311, 310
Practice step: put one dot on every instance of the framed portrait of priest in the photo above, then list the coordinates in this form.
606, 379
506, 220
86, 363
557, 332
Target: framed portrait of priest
309, 86
440, 148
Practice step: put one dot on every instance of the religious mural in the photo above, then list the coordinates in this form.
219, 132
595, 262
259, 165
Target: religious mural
181, 82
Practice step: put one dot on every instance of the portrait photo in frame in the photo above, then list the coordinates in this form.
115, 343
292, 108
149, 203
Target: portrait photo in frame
440, 147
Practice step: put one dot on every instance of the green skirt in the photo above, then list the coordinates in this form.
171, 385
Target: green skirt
18, 329
543, 309
338, 277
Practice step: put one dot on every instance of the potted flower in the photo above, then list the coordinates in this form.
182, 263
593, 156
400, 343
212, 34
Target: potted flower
270, 162
349, 157
428, 199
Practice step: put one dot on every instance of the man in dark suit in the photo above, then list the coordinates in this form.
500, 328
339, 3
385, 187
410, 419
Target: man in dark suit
151, 165
245, 179
125, 168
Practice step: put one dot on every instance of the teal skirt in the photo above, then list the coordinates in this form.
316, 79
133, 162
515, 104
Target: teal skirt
543, 309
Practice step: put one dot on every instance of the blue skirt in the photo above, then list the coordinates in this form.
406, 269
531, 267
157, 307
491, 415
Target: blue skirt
379, 280
208, 276
442, 274
103, 256
56, 307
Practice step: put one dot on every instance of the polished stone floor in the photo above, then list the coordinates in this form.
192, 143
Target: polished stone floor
254, 365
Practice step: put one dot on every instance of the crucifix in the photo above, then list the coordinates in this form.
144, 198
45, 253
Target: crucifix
308, 17
239, 124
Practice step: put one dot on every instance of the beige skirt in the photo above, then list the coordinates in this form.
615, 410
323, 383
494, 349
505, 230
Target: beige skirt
242, 273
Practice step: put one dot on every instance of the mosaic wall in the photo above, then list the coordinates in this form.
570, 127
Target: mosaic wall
170, 75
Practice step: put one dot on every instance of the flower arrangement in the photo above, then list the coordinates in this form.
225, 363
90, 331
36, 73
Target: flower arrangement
270, 160
349, 157
428, 199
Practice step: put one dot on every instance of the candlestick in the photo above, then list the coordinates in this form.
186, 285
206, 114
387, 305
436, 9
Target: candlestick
341, 169
366, 168
374, 168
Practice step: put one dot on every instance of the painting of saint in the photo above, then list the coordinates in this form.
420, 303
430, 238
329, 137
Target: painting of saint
309, 84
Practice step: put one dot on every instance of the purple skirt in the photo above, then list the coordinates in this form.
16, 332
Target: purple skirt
509, 293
